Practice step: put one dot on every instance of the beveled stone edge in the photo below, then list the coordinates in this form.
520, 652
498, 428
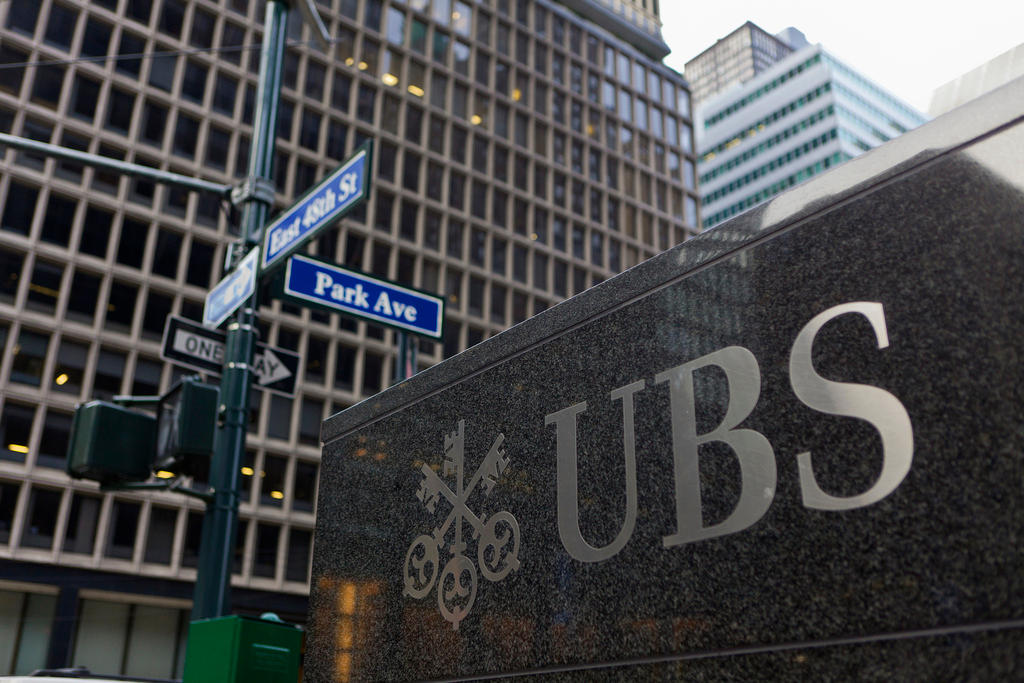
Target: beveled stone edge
899, 157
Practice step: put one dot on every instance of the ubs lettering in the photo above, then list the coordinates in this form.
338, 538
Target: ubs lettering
752, 449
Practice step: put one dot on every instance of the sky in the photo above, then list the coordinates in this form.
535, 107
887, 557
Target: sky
909, 47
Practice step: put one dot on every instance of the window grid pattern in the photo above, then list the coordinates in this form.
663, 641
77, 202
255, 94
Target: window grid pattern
521, 157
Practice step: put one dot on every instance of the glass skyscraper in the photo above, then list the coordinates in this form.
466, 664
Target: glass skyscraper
801, 115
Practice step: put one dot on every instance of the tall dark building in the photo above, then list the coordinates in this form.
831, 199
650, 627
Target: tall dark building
737, 58
524, 151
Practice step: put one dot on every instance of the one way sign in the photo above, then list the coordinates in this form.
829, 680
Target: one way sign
200, 348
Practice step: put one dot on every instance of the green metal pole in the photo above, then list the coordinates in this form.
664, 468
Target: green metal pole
212, 596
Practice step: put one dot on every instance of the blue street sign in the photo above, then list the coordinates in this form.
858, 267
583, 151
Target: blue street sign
318, 208
232, 291
311, 281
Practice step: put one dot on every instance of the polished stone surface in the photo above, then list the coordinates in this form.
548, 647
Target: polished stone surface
907, 560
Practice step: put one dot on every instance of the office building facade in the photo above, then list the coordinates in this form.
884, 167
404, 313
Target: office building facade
804, 114
524, 151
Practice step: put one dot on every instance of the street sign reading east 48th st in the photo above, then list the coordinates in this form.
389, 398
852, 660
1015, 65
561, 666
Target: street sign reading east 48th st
317, 209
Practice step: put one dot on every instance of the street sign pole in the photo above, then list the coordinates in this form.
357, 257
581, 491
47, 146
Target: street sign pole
405, 360
213, 581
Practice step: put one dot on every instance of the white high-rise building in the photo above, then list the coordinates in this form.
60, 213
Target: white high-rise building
804, 114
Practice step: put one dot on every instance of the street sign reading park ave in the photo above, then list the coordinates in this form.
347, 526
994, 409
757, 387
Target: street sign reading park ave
200, 348
318, 208
232, 291
309, 281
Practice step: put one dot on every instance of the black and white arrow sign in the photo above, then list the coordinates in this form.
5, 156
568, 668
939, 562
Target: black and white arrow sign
200, 348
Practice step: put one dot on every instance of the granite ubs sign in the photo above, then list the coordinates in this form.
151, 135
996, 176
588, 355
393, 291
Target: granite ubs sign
755, 454
789, 448
498, 536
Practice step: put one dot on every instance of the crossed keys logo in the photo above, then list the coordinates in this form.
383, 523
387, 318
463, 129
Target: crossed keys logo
497, 536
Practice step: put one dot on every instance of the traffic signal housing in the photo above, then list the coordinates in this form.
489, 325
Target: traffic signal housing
113, 444
185, 424
110, 443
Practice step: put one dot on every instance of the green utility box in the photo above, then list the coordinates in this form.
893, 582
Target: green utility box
110, 444
238, 649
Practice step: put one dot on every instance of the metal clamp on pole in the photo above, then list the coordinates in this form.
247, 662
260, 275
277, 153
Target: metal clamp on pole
260, 189
316, 25
123, 400
170, 485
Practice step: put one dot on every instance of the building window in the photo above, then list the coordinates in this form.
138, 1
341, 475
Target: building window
172, 17
44, 288
130, 45
265, 560
186, 133
279, 417
11, 264
241, 534
84, 96
193, 537
146, 378
344, 367
53, 445
48, 85
200, 262
304, 488
23, 17
373, 368
309, 421
41, 518
96, 232
29, 358
160, 538
60, 214
120, 108
109, 373
272, 480
80, 534
161, 69
124, 521
158, 307
17, 216
83, 297
15, 430
8, 503
365, 104
132, 244
202, 29
121, 306
300, 542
